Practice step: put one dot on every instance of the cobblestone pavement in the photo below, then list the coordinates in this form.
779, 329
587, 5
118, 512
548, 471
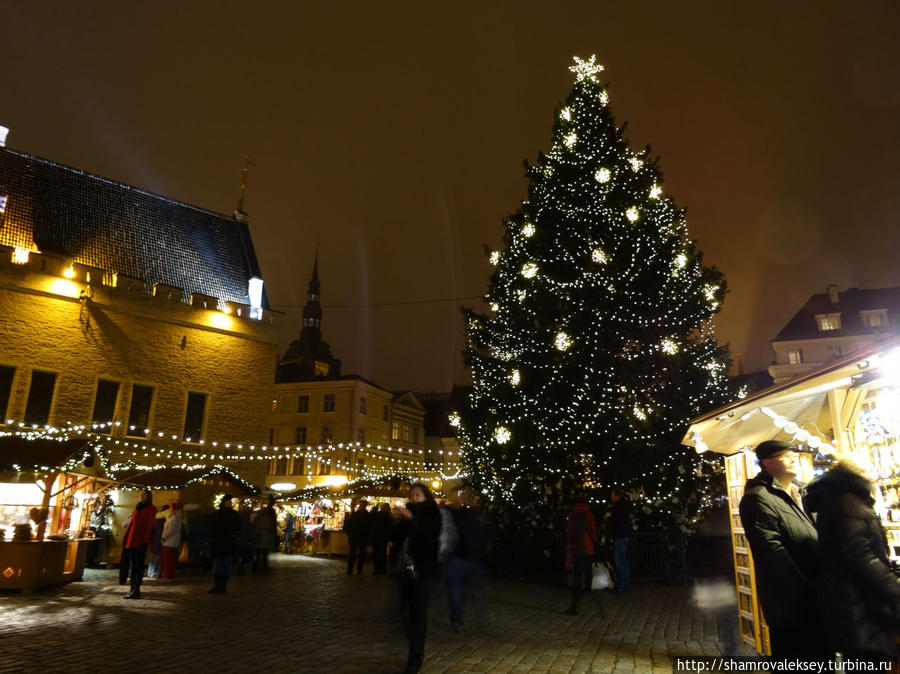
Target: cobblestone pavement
308, 616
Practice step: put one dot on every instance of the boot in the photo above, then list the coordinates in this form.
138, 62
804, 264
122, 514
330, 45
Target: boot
219, 587
135, 593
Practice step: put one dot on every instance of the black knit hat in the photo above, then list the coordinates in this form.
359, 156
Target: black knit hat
769, 448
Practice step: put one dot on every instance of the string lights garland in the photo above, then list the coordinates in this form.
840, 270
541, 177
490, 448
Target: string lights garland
598, 348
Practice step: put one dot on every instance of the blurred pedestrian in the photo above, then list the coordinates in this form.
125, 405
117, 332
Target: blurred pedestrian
581, 541
171, 540
618, 526
858, 591
288, 531
359, 532
154, 567
417, 568
464, 564
245, 538
138, 538
124, 559
226, 526
265, 535
381, 534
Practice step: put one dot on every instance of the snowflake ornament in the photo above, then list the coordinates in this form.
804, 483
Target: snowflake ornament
586, 70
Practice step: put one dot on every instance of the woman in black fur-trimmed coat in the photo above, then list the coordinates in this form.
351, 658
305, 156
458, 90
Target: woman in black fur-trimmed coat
859, 593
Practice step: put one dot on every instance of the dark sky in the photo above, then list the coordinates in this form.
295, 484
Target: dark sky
397, 131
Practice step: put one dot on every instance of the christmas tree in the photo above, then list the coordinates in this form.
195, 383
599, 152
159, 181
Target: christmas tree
598, 346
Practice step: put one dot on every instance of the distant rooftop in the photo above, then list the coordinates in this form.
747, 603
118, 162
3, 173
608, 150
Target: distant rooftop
106, 224
850, 304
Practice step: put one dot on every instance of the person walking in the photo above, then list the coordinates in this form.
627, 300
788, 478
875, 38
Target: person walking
137, 538
245, 537
417, 567
289, 532
463, 565
171, 540
359, 532
858, 591
154, 567
265, 534
581, 540
226, 526
618, 525
381, 534
784, 542
124, 559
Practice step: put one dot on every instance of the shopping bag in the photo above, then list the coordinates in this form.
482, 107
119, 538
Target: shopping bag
183, 556
599, 576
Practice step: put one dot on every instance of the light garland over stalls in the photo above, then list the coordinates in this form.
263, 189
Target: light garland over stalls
602, 307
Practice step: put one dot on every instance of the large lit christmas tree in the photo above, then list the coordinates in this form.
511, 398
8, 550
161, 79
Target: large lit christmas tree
598, 347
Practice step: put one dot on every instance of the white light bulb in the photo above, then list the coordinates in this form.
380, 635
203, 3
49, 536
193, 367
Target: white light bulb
454, 419
502, 435
566, 114
635, 164
604, 98
632, 214
680, 260
655, 192
529, 270
495, 306
669, 346
514, 378
602, 175
599, 256
570, 139
563, 342
528, 230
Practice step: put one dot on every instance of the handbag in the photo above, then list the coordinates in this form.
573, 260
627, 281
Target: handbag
406, 566
599, 576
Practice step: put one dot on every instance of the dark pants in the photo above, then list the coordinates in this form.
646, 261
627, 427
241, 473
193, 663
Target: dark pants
124, 566
806, 642
379, 555
461, 571
137, 557
620, 562
357, 548
581, 581
414, 596
261, 560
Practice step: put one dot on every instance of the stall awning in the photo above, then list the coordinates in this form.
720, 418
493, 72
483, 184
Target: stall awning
219, 478
20, 452
748, 426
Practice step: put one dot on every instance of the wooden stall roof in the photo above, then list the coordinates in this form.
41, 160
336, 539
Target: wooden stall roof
220, 477
28, 454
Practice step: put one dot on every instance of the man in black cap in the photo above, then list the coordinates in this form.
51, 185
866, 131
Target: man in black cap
783, 542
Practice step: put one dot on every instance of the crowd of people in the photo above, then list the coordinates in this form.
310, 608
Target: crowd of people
824, 577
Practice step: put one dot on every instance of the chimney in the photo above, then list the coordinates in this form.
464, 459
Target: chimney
832, 293
3, 132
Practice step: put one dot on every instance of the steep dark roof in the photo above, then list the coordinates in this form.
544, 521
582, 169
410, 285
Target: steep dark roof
115, 227
850, 303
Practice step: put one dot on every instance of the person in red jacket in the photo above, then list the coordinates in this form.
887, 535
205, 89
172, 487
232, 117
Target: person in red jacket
581, 538
137, 538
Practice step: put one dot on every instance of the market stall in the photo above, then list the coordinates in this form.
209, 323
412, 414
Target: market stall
851, 408
51, 491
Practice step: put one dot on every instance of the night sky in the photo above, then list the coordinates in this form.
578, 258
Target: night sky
396, 133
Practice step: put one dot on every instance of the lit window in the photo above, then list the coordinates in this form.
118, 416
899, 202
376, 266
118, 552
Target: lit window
876, 318
828, 322
395, 431
328, 403
406, 432
795, 356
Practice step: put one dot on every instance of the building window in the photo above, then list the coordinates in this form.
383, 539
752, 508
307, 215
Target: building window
6, 382
363, 405
105, 402
300, 435
361, 436
139, 415
876, 318
828, 322
406, 432
281, 467
384, 413
395, 431
795, 356
327, 434
303, 404
328, 403
193, 417
40, 398
274, 405
324, 467
321, 369
415, 434
299, 466
271, 436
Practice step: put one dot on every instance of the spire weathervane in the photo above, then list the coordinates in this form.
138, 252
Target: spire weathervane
244, 172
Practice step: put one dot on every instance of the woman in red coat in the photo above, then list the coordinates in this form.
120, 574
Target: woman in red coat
137, 538
581, 538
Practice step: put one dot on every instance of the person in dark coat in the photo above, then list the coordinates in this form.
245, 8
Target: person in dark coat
463, 565
618, 525
859, 594
359, 531
137, 538
418, 568
783, 542
581, 539
381, 534
265, 535
226, 526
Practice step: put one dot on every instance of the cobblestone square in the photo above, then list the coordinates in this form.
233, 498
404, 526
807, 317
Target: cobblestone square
309, 616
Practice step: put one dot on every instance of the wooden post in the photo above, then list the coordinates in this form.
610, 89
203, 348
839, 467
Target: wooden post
49, 481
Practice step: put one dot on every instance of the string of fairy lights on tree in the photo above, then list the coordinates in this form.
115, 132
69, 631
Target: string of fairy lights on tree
598, 346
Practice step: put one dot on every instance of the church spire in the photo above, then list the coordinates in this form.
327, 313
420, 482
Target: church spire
239, 212
312, 312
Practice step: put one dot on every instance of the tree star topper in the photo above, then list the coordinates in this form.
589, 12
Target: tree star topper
586, 69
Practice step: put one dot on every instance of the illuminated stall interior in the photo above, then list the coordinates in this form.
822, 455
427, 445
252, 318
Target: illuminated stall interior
848, 408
